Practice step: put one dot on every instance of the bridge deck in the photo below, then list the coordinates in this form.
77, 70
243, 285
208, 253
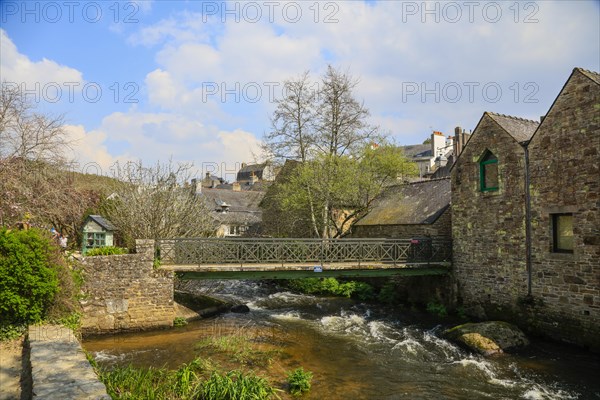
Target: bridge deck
270, 271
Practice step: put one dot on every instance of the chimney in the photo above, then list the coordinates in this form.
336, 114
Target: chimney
195, 189
458, 140
236, 187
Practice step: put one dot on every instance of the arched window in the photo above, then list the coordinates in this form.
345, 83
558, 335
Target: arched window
488, 172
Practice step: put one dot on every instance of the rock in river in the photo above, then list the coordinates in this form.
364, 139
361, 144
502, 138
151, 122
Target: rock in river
240, 308
487, 338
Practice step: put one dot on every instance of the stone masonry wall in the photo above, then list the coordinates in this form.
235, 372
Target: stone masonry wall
565, 178
488, 228
125, 292
441, 228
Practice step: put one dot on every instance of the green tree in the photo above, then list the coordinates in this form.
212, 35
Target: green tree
338, 190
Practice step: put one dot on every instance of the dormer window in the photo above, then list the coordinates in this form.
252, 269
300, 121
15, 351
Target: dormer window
488, 172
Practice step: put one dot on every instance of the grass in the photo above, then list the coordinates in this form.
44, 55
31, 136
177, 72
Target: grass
198, 379
240, 349
236, 385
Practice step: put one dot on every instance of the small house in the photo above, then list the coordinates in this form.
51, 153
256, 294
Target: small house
97, 232
417, 209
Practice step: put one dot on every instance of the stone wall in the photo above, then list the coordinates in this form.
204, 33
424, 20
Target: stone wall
488, 228
441, 228
489, 249
125, 292
565, 178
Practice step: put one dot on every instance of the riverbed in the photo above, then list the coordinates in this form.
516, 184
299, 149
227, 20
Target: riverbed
361, 351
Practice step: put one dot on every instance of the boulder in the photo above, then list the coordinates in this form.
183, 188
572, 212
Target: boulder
487, 338
240, 308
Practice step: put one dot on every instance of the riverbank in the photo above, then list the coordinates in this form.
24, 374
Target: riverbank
13, 372
355, 350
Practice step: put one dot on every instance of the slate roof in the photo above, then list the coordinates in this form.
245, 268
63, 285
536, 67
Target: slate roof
249, 170
243, 205
103, 222
520, 129
590, 74
410, 204
417, 150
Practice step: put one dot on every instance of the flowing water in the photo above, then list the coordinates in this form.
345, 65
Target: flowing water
359, 351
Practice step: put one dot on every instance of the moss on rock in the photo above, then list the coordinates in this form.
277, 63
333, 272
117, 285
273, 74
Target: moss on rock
487, 338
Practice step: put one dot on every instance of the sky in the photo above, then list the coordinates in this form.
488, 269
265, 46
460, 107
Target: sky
196, 81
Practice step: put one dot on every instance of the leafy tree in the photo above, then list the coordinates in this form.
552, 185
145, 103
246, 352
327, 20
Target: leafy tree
155, 203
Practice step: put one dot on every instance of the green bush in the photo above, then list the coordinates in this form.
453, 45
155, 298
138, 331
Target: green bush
299, 381
437, 308
388, 293
332, 286
29, 282
179, 322
106, 251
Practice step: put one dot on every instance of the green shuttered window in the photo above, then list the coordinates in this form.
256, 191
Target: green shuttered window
488, 172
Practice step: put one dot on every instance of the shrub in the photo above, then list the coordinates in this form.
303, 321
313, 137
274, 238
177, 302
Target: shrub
106, 251
437, 308
299, 381
28, 275
179, 322
388, 293
332, 286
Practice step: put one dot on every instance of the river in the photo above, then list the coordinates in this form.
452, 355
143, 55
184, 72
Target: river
362, 351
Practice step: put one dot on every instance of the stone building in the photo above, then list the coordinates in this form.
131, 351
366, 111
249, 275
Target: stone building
525, 216
565, 210
488, 210
253, 173
237, 212
411, 210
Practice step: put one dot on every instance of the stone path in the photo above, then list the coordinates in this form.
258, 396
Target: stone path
59, 367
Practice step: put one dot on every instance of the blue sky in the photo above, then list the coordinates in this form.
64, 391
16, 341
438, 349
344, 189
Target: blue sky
195, 81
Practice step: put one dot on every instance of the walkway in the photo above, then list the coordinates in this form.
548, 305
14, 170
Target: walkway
59, 367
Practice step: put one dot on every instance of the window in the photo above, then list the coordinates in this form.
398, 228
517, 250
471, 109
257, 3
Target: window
562, 233
488, 172
95, 239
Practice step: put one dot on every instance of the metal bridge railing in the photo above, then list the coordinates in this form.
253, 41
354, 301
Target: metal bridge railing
201, 251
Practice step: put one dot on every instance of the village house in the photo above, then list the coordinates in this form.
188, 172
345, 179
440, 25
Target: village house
434, 159
418, 209
525, 221
253, 173
236, 211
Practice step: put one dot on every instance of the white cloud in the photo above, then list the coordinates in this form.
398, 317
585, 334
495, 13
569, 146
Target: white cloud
159, 136
89, 149
18, 68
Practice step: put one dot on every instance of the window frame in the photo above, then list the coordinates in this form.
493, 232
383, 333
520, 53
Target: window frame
554, 220
482, 164
98, 239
